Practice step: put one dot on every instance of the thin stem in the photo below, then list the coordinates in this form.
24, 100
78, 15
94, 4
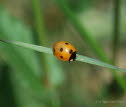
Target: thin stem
116, 30
39, 25
39, 21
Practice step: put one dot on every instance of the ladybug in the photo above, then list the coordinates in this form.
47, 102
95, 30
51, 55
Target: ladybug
64, 51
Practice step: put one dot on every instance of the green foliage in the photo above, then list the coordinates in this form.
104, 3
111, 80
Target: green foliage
27, 72
79, 5
35, 76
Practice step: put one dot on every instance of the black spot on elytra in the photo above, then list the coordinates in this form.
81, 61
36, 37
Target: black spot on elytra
61, 57
67, 43
71, 51
61, 49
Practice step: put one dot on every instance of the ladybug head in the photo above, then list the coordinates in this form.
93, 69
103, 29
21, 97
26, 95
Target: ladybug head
72, 57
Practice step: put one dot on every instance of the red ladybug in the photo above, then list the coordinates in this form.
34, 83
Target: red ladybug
64, 51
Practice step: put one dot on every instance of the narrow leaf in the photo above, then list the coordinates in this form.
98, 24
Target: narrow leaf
79, 57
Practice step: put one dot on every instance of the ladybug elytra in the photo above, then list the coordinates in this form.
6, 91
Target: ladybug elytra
64, 51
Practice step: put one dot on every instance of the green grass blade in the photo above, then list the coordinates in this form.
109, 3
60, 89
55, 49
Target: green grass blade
39, 21
79, 57
26, 45
116, 30
97, 62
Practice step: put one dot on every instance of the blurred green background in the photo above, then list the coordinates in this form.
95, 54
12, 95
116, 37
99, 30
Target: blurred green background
31, 79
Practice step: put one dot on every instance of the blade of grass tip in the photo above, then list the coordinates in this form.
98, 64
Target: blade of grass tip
79, 57
97, 62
